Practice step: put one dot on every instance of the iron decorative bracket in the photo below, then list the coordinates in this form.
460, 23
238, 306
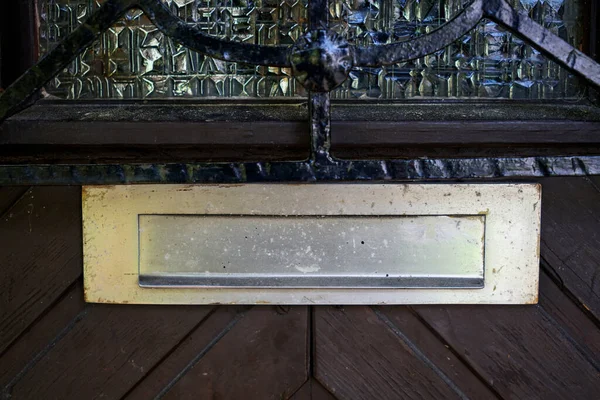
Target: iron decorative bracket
320, 60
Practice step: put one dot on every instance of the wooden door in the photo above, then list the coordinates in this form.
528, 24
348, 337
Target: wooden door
54, 345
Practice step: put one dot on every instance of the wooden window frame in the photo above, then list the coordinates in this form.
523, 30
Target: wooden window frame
165, 131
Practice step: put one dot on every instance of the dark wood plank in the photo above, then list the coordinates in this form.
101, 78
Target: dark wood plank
577, 325
357, 356
195, 345
9, 195
519, 350
80, 154
105, 141
40, 255
571, 236
99, 132
595, 181
294, 133
40, 338
105, 353
312, 390
464, 132
264, 356
289, 133
407, 324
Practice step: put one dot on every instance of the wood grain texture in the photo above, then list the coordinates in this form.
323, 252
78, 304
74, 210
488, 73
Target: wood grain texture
518, 350
264, 356
312, 390
294, 133
42, 336
9, 195
357, 356
135, 142
187, 353
56, 346
356, 133
40, 255
89, 154
107, 351
408, 325
571, 236
97, 132
576, 324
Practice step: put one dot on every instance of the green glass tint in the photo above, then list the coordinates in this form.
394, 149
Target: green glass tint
134, 60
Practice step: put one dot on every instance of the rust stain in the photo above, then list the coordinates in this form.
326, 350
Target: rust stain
102, 300
92, 192
95, 196
107, 301
84, 193
228, 185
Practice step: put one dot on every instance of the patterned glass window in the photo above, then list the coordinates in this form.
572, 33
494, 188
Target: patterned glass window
134, 60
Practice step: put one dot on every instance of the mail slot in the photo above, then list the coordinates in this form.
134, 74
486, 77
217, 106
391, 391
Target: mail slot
311, 251
312, 243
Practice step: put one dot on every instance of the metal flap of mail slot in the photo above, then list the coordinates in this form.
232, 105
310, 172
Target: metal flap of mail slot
308, 251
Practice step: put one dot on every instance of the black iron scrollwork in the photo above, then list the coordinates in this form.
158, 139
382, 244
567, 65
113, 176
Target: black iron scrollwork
321, 60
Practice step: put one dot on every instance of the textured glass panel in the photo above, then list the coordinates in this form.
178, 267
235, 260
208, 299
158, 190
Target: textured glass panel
487, 62
135, 60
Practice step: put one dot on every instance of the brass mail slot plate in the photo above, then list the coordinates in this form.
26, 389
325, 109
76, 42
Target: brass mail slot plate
312, 243
311, 251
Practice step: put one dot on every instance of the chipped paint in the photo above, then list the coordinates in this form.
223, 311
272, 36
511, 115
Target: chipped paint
111, 251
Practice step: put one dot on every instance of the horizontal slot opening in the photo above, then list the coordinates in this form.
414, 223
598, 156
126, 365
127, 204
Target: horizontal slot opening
271, 251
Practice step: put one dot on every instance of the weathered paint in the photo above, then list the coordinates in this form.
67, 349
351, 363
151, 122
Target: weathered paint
512, 229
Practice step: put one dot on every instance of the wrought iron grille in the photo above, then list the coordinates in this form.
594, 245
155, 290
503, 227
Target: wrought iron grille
321, 60
134, 60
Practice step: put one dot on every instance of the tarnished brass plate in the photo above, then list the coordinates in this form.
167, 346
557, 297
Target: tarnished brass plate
312, 243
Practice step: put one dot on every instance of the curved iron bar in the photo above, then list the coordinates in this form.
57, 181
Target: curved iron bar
421, 46
103, 18
321, 166
548, 43
49, 66
497, 10
193, 38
